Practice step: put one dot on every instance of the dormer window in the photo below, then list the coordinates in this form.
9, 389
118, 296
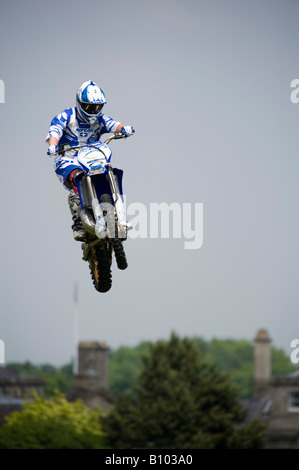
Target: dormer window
293, 405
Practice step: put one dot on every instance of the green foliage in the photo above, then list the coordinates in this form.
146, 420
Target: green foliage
53, 424
170, 394
235, 357
56, 378
180, 402
125, 364
281, 364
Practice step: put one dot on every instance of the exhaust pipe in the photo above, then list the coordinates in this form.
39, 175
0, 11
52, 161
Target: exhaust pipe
88, 221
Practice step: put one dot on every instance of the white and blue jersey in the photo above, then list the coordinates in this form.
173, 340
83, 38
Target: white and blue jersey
70, 129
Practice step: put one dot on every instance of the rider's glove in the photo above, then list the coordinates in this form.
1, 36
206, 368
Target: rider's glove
52, 150
127, 130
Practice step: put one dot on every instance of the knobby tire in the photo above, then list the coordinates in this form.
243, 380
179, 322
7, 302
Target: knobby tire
108, 210
100, 267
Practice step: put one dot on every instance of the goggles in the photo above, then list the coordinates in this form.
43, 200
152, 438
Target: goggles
92, 108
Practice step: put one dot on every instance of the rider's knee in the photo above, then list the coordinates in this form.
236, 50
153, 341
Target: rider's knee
70, 180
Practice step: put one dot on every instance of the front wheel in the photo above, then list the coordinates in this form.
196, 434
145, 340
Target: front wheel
120, 255
112, 229
99, 260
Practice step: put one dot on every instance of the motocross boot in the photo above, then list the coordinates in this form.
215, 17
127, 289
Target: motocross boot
75, 208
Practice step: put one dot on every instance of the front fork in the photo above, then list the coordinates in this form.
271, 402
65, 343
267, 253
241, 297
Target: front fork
100, 228
118, 203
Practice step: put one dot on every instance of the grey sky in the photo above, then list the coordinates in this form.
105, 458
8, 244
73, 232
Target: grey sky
206, 84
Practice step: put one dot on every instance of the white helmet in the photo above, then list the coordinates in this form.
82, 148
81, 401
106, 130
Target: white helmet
90, 101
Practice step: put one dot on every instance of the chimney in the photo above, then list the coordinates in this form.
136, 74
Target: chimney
262, 363
92, 366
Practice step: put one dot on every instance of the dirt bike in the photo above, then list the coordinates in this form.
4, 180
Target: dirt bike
102, 211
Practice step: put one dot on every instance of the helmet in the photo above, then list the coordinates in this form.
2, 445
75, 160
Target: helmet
90, 101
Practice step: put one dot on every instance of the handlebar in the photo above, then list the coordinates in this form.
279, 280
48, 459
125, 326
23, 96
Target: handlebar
65, 148
115, 137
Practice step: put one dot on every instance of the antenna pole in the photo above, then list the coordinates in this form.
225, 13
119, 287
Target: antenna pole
76, 330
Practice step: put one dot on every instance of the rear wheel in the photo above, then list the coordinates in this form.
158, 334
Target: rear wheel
99, 260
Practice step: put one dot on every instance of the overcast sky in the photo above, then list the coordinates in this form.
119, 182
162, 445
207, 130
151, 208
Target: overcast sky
206, 84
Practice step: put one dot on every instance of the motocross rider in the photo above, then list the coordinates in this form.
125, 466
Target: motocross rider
83, 124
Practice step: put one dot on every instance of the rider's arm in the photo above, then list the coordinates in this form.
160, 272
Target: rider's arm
58, 125
119, 128
52, 146
125, 130
53, 141
110, 125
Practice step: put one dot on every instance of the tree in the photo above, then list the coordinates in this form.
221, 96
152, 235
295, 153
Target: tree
235, 357
125, 366
53, 424
180, 402
281, 364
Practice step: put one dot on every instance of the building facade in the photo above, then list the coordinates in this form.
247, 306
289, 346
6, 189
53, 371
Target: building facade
276, 398
15, 390
91, 381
